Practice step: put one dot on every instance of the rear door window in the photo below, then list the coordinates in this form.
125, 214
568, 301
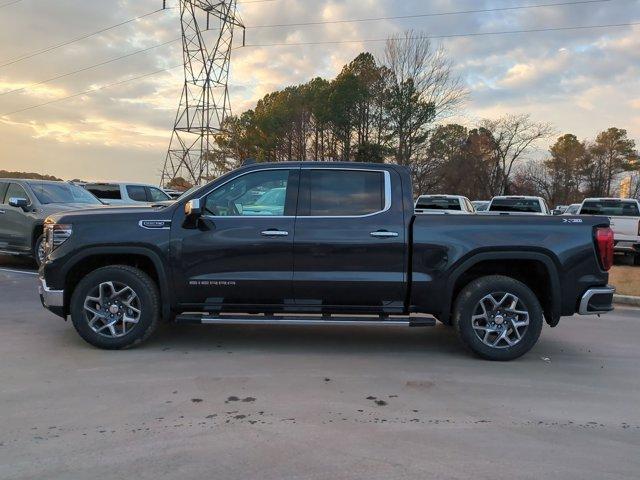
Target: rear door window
610, 208
522, 205
340, 193
438, 203
137, 193
105, 192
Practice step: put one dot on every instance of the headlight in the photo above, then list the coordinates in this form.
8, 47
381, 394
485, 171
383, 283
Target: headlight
56, 234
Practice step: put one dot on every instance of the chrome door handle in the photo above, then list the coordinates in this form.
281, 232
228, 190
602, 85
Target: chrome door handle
274, 233
384, 234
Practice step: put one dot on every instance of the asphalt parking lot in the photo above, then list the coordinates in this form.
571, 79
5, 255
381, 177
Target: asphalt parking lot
313, 403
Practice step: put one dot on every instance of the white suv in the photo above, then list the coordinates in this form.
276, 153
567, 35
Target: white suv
114, 193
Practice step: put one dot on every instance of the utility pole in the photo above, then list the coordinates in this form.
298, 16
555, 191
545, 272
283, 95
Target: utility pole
207, 40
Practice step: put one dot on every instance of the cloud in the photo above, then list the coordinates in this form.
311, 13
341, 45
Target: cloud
582, 81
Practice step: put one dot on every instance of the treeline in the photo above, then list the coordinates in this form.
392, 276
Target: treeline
31, 175
392, 110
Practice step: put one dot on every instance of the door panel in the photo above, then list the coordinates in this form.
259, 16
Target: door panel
354, 260
15, 225
241, 252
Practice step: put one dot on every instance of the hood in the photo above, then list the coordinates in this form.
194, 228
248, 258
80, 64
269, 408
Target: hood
106, 213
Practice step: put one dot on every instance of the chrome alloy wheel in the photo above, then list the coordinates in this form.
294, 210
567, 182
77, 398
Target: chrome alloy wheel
500, 320
112, 309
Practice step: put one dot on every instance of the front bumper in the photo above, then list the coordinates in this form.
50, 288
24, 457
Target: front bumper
50, 298
597, 300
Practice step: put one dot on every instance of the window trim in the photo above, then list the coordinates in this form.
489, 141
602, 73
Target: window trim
242, 175
387, 192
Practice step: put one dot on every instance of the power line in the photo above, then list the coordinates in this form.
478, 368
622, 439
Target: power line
90, 67
8, 4
452, 35
91, 90
423, 15
76, 39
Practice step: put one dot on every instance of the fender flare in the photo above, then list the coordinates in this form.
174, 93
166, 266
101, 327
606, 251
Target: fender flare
550, 265
163, 283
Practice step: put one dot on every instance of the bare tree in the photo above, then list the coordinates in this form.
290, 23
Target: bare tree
514, 136
411, 57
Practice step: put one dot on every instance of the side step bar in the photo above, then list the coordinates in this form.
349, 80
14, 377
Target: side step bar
205, 319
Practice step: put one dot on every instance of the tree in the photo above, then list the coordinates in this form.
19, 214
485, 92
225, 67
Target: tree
421, 88
513, 136
178, 183
565, 168
611, 154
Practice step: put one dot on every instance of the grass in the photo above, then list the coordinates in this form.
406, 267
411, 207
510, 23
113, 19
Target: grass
625, 279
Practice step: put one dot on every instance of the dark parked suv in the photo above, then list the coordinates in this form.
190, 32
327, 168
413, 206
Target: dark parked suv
24, 204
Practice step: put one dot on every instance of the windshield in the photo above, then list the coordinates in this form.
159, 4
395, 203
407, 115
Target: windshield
610, 208
438, 203
481, 206
515, 205
62, 193
572, 209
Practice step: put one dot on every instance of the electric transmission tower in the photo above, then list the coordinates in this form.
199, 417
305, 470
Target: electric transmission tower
207, 40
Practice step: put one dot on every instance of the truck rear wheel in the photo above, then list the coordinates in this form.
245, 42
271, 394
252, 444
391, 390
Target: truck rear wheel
115, 307
498, 317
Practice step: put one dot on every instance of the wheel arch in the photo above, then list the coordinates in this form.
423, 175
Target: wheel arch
142, 258
537, 270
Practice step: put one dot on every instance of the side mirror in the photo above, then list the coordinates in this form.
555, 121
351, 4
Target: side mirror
192, 208
19, 202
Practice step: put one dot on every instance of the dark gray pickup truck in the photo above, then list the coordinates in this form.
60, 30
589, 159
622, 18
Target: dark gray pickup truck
322, 243
24, 204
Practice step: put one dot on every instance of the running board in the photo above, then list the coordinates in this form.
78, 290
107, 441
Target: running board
293, 320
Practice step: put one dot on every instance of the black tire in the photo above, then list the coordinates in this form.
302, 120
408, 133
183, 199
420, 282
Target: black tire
36, 249
149, 306
468, 301
636, 260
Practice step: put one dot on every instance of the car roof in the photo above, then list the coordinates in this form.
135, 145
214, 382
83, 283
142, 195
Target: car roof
516, 197
437, 195
137, 184
31, 181
609, 199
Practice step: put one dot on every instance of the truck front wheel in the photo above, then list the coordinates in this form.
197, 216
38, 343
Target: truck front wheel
498, 317
115, 307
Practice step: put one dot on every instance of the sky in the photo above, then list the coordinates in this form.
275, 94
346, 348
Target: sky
582, 81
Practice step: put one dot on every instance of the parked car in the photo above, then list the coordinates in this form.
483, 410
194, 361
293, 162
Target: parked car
127, 193
572, 209
624, 215
341, 247
444, 204
481, 205
24, 204
173, 194
518, 205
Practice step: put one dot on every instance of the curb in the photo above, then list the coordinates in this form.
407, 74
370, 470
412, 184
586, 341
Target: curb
626, 300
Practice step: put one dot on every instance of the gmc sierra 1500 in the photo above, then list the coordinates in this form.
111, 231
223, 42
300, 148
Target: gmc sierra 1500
322, 243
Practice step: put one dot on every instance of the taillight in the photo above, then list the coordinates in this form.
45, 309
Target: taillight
604, 244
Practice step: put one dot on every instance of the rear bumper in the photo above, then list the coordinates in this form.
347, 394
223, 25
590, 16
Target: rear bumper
597, 300
50, 298
625, 246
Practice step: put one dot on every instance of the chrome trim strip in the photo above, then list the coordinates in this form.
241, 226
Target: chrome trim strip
274, 233
384, 234
387, 193
584, 302
50, 298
